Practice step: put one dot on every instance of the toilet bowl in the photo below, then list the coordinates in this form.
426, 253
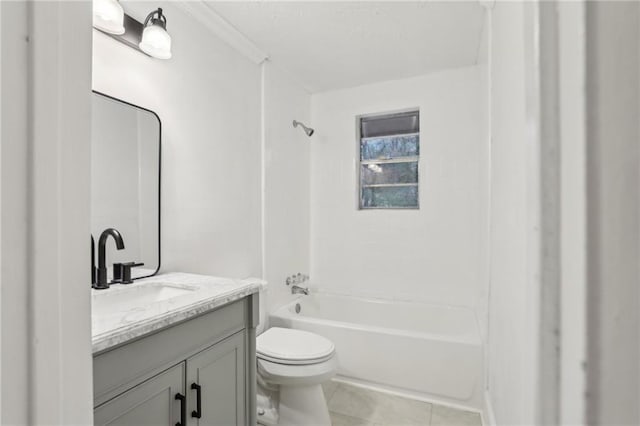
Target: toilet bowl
292, 365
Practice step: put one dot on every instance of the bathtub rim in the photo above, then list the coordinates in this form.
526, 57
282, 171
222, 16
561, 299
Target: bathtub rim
285, 312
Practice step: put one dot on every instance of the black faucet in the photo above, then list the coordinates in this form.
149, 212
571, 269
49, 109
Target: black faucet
93, 262
101, 282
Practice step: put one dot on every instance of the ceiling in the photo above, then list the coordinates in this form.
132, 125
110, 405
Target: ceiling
330, 45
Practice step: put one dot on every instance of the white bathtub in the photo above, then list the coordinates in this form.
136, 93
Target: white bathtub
430, 351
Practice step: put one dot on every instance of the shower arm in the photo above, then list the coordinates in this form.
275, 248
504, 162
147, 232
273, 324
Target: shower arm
308, 130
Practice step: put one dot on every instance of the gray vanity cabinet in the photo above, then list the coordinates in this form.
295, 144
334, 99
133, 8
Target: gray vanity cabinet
211, 356
219, 374
150, 403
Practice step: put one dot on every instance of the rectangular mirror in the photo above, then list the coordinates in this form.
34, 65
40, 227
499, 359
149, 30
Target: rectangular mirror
125, 182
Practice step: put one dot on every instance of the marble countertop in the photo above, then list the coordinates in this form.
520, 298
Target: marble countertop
121, 313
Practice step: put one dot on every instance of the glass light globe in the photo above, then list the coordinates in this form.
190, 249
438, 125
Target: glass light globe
108, 16
156, 42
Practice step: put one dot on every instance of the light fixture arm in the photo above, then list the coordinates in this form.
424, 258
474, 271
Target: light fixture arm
160, 20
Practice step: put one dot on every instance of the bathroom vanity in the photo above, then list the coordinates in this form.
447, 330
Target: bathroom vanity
169, 349
175, 349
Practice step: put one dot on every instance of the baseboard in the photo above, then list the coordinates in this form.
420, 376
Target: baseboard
488, 416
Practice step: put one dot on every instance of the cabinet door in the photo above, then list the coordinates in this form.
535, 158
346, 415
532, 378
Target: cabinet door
219, 372
150, 403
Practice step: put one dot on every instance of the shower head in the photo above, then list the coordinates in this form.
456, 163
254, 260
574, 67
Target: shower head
308, 130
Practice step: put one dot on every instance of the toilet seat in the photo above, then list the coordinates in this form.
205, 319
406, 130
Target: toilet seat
293, 347
296, 375
294, 362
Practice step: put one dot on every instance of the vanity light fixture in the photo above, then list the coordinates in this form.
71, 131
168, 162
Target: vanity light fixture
156, 41
150, 38
108, 16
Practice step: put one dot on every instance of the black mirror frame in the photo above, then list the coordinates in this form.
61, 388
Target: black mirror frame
159, 175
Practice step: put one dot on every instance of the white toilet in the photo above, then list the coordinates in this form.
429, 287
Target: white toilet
292, 365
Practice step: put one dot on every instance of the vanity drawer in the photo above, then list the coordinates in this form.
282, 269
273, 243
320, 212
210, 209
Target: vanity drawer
123, 367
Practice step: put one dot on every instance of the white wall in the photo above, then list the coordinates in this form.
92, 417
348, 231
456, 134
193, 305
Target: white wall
574, 212
436, 253
1, 136
511, 344
227, 138
46, 115
208, 98
14, 319
286, 183
613, 220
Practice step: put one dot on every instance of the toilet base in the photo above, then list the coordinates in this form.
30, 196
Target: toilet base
303, 405
300, 406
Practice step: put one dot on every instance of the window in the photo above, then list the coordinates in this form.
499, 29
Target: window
389, 154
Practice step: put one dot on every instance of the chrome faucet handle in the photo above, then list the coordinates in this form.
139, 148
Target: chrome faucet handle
296, 279
295, 289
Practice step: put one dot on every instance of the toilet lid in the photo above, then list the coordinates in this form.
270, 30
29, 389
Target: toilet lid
287, 344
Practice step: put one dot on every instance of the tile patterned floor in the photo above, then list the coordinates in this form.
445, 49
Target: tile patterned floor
354, 406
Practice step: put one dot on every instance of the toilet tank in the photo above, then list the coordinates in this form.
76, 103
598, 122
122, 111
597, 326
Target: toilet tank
263, 302
263, 315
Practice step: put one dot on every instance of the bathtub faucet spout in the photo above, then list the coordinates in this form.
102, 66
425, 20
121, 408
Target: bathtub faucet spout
295, 289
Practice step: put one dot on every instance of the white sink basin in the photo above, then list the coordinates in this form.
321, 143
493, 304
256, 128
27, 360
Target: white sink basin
122, 299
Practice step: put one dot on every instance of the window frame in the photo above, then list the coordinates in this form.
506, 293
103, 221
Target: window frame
360, 162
